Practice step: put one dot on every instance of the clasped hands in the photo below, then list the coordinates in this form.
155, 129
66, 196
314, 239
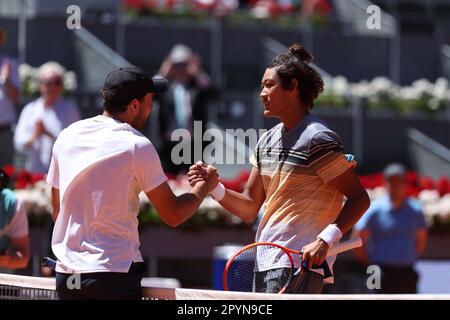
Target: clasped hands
201, 172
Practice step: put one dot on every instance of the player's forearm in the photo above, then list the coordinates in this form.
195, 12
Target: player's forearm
240, 204
353, 209
186, 204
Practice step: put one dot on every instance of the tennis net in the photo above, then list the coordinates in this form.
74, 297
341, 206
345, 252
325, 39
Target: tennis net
15, 287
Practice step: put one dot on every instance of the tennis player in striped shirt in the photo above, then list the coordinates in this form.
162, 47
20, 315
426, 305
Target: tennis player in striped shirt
300, 175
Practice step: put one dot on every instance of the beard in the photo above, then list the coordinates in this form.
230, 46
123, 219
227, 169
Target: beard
140, 122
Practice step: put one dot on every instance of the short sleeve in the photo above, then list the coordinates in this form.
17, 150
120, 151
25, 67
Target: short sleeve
147, 166
328, 157
19, 223
53, 173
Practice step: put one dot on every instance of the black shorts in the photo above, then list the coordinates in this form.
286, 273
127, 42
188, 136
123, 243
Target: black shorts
101, 285
271, 281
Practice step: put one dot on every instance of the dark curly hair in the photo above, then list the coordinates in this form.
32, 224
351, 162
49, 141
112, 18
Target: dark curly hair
294, 64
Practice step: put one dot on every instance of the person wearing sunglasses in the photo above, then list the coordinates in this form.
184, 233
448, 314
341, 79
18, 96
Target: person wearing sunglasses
43, 119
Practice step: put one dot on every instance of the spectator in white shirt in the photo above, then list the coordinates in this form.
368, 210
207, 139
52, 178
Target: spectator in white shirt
43, 119
9, 96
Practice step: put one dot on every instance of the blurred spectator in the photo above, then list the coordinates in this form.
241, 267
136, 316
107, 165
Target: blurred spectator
316, 8
394, 234
218, 7
272, 8
43, 119
186, 100
14, 239
261, 9
9, 97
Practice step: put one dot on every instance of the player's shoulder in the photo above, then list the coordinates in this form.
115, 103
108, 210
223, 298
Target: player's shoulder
318, 132
71, 130
144, 150
142, 142
274, 130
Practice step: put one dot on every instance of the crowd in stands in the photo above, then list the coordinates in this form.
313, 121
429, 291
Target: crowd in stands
257, 8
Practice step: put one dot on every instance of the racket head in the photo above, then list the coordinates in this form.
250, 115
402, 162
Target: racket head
239, 273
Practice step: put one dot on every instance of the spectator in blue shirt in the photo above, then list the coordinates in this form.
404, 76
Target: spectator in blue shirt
394, 234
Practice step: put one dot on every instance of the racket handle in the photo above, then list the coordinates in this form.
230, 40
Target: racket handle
340, 247
48, 262
326, 268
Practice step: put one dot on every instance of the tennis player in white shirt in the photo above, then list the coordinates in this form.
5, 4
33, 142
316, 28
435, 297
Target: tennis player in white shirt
98, 168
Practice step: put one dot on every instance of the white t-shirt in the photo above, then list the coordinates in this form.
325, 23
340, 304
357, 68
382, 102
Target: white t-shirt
100, 166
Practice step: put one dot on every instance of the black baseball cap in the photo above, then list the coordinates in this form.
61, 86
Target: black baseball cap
127, 83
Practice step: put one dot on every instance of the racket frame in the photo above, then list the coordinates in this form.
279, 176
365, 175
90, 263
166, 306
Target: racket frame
287, 251
338, 248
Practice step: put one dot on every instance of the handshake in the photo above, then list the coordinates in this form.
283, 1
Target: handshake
203, 173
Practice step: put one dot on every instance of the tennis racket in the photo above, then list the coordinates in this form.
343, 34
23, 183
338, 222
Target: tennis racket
240, 275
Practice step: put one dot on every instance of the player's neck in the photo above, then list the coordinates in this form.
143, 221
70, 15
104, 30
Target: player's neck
293, 118
115, 116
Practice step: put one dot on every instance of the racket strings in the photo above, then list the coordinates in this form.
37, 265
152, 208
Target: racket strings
252, 270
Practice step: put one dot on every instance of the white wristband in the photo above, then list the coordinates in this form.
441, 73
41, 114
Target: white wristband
330, 234
218, 192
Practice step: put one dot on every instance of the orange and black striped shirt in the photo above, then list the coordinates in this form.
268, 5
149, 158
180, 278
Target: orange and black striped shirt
296, 168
